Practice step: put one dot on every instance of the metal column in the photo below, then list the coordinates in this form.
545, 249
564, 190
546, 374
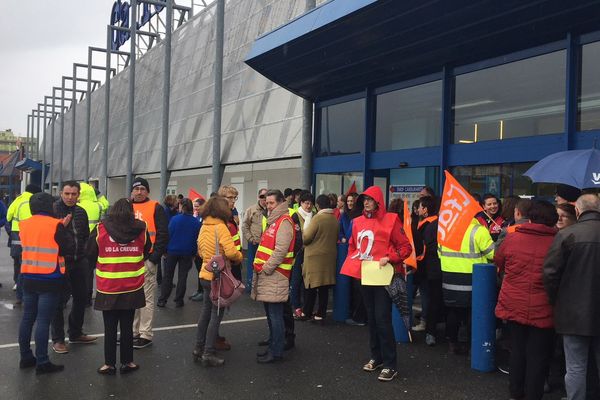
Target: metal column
218, 94
29, 118
307, 129
106, 111
164, 174
133, 38
74, 122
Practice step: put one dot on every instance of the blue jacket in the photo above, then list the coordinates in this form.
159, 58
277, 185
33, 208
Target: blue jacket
345, 227
183, 235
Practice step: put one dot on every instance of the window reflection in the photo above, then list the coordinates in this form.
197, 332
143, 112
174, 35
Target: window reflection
589, 91
342, 128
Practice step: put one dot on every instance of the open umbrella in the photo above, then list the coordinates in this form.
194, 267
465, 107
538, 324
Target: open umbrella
578, 168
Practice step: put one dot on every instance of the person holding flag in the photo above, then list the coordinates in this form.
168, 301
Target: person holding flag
462, 242
377, 236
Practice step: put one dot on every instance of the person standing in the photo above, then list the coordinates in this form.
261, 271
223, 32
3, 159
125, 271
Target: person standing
523, 303
19, 211
320, 258
120, 244
273, 266
214, 233
45, 241
198, 207
153, 215
302, 218
377, 236
87, 201
492, 217
571, 280
183, 234
252, 231
77, 270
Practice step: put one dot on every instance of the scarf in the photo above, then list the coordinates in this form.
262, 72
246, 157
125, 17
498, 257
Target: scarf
307, 216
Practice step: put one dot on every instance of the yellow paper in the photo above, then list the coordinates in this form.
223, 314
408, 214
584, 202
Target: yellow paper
375, 275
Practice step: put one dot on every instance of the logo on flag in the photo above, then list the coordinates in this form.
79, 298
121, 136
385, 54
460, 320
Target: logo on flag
457, 210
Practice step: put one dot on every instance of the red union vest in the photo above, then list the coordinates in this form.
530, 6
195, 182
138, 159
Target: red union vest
120, 267
267, 245
40, 250
235, 235
372, 239
145, 212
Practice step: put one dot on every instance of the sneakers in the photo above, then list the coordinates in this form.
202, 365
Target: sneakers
15, 288
60, 348
48, 368
140, 343
211, 360
83, 339
504, 369
372, 365
161, 303
387, 374
429, 340
352, 322
420, 326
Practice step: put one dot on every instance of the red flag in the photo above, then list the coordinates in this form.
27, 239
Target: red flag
412, 259
352, 188
457, 210
193, 195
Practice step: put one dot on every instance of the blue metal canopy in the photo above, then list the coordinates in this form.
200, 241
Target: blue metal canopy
345, 46
29, 165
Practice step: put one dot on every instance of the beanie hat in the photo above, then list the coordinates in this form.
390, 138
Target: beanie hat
41, 203
139, 181
569, 193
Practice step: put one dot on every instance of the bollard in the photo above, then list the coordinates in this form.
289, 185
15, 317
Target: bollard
401, 332
342, 288
483, 327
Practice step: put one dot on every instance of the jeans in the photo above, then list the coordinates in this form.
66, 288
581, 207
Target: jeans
251, 253
274, 313
310, 295
577, 349
38, 307
17, 276
210, 319
530, 355
183, 264
76, 286
381, 333
296, 281
112, 319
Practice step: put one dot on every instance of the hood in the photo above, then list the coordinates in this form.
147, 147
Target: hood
278, 212
87, 193
537, 229
123, 233
376, 194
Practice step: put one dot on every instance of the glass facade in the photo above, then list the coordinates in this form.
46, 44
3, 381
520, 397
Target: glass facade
409, 118
589, 89
342, 128
522, 98
338, 183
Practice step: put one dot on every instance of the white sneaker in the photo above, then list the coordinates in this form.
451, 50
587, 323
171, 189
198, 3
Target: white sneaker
420, 326
15, 288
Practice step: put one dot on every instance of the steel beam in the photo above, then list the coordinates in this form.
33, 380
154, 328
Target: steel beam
218, 94
164, 174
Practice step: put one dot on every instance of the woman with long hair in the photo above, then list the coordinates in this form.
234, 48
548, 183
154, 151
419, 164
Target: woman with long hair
491, 216
121, 244
214, 232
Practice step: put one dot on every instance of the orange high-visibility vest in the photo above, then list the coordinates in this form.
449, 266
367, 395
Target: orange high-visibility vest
120, 266
267, 246
145, 212
40, 250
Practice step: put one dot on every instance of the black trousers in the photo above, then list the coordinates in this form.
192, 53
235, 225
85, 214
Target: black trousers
90, 278
358, 312
198, 265
435, 305
455, 316
381, 333
112, 319
310, 296
76, 286
530, 356
183, 264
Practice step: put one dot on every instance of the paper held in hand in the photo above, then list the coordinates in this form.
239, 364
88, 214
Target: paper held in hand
372, 274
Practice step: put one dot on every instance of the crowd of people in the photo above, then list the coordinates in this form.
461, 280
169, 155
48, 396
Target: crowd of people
546, 256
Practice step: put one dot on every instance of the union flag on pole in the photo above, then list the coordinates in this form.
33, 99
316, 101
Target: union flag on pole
193, 195
411, 260
457, 210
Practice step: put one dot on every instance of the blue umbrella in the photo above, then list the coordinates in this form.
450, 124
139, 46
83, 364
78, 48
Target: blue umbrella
578, 168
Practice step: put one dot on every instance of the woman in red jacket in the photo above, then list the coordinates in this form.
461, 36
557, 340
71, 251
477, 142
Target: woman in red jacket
523, 301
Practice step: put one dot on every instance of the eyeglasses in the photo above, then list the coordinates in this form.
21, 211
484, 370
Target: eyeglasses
262, 196
231, 197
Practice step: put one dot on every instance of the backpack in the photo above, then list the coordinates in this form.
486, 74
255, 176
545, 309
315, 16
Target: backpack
225, 289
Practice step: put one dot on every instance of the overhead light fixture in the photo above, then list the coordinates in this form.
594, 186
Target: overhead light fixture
472, 104
501, 129
465, 141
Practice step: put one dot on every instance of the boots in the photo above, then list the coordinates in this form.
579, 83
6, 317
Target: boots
211, 360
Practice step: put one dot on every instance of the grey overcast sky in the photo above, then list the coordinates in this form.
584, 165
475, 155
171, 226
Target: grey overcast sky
39, 42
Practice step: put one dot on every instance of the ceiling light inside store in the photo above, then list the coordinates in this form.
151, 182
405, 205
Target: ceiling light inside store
473, 104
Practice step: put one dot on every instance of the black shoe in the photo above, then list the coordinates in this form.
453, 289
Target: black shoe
198, 296
179, 304
126, 368
48, 368
28, 363
109, 370
161, 303
289, 344
140, 343
262, 353
265, 342
268, 359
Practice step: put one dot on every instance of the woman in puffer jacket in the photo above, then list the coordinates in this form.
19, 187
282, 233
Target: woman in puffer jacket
523, 302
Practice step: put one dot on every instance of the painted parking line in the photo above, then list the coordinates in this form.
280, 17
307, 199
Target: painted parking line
162, 328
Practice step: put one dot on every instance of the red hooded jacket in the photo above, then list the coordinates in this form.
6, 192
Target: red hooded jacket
374, 236
523, 298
